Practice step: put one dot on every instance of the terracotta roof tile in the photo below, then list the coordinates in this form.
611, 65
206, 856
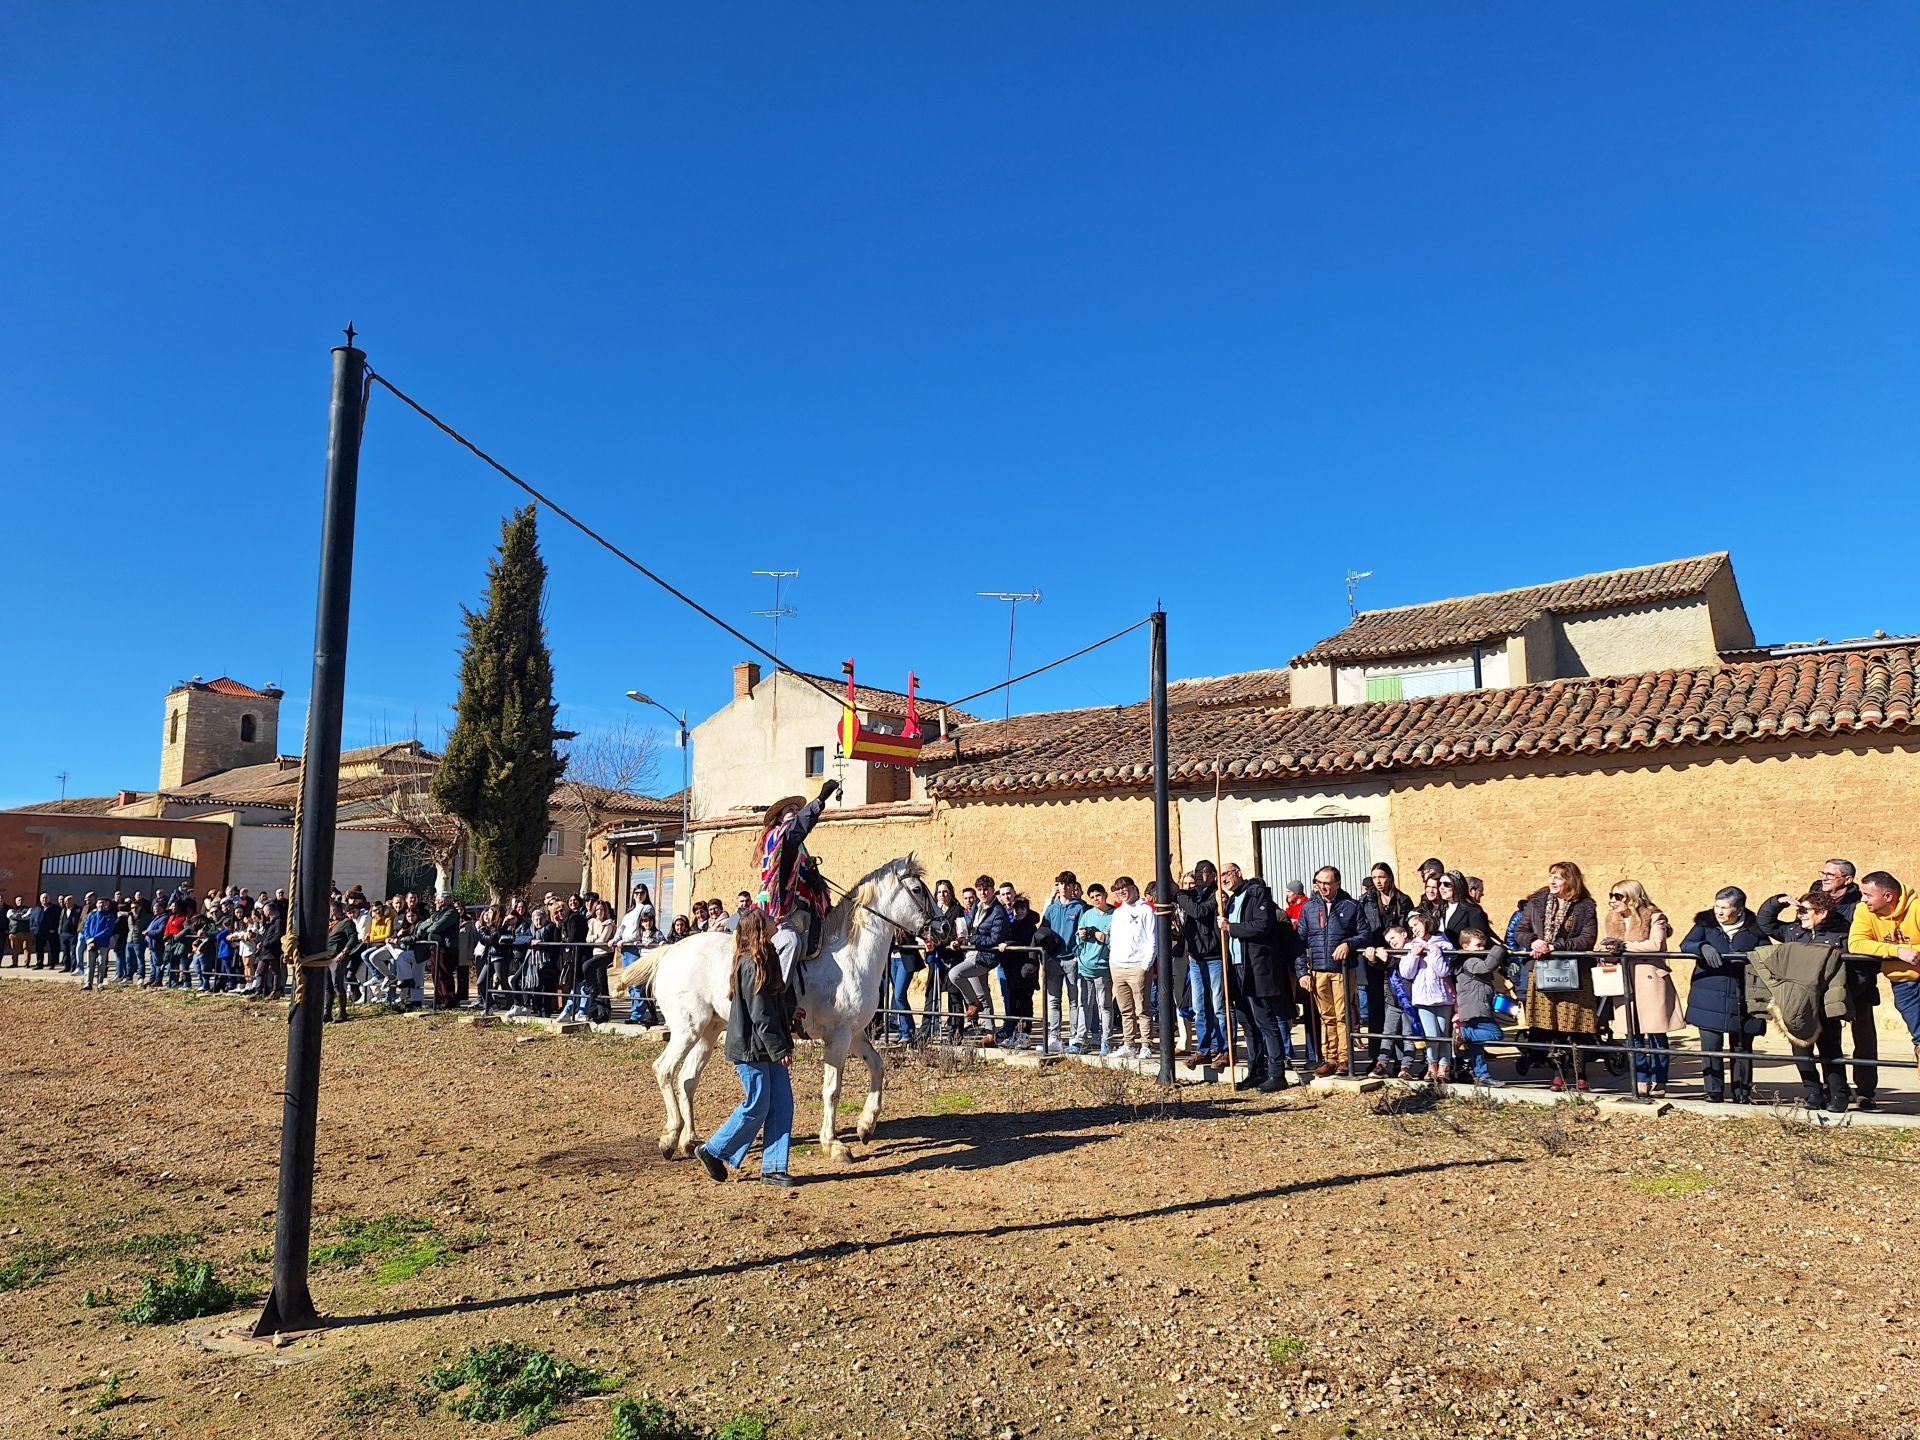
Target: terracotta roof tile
1821, 694
1473, 619
227, 685
72, 805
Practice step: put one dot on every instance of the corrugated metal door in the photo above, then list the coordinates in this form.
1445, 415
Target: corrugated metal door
1294, 849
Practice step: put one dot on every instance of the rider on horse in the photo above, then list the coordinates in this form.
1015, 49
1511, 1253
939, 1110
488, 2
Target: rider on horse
792, 890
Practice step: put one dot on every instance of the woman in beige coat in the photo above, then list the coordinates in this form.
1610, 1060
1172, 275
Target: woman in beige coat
1634, 927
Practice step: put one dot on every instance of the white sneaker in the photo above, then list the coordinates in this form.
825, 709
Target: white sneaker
518, 1012
1146, 1052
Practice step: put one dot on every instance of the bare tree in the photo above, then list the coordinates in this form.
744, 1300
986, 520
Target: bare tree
606, 768
412, 811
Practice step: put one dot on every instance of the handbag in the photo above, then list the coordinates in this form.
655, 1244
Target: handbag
1556, 974
1610, 982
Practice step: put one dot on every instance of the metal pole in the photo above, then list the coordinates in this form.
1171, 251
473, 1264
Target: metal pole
289, 1306
683, 882
1162, 847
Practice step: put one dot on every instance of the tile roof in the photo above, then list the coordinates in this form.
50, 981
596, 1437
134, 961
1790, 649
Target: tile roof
1472, 619
886, 702
1226, 692
72, 805
1836, 693
227, 685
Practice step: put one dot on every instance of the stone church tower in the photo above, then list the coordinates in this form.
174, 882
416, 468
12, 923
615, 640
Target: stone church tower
215, 725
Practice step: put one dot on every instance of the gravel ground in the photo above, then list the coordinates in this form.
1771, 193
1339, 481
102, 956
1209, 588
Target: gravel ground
1019, 1253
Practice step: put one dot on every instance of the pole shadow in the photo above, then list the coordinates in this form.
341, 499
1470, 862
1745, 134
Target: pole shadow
842, 1248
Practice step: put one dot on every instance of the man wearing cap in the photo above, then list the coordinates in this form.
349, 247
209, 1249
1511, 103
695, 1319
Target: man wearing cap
792, 888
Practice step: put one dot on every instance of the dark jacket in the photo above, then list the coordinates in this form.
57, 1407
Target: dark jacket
1473, 983
343, 939
1717, 999
46, 921
987, 928
1580, 930
443, 928
1022, 966
1259, 932
1199, 921
1863, 975
1466, 916
756, 1024
1326, 925
1380, 913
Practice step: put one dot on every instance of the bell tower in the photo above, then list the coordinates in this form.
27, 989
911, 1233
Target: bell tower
216, 725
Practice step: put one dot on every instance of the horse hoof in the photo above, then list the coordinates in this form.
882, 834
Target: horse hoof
864, 1133
668, 1150
841, 1153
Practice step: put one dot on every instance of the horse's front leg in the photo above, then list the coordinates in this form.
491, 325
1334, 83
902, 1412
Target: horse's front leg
835, 1063
863, 1047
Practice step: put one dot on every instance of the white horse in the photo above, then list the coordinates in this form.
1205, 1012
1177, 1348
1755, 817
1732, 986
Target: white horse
841, 992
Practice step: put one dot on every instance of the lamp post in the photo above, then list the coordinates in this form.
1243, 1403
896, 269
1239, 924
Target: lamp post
684, 861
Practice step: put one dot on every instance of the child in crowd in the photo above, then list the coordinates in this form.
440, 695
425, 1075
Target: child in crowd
1396, 1044
1427, 968
1091, 994
1476, 978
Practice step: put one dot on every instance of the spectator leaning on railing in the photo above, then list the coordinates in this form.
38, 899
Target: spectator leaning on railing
1330, 933
1886, 924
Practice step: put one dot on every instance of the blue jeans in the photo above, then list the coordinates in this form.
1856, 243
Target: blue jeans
768, 1106
636, 994
1209, 1008
1650, 1066
1475, 1036
1906, 999
901, 968
127, 966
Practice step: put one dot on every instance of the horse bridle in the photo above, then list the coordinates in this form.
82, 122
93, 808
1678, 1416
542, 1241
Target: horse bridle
929, 928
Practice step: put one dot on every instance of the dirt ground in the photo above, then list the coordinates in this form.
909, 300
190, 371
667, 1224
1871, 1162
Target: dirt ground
1019, 1252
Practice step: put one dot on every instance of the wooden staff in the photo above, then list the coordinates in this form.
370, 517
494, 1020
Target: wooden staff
1220, 898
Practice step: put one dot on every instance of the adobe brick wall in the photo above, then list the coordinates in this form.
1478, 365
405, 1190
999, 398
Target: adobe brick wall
1762, 818
25, 839
1028, 842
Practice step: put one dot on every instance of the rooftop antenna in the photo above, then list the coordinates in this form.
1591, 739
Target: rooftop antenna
1354, 577
62, 778
778, 577
1014, 599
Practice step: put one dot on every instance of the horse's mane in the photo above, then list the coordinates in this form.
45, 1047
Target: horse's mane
866, 891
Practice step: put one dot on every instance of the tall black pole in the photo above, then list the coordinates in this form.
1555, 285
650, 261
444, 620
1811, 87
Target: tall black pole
1162, 848
289, 1306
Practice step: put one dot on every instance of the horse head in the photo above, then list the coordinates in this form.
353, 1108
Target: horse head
902, 898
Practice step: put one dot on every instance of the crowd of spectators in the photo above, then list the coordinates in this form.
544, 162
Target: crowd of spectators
1417, 985
1414, 985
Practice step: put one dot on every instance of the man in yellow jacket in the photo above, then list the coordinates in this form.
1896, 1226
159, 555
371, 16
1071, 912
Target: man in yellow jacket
1887, 924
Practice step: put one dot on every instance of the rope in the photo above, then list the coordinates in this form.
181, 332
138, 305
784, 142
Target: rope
1038, 670
838, 698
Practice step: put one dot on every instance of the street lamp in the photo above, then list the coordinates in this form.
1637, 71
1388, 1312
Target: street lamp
685, 861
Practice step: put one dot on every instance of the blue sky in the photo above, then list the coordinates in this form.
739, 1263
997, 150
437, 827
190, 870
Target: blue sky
1120, 302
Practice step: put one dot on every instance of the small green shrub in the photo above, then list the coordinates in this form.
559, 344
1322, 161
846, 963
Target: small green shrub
97, 1299
109, 1395
402, 1246
1285, 1349
647, 1420
505, 1381
745, 1427
30, 1264
188, 1291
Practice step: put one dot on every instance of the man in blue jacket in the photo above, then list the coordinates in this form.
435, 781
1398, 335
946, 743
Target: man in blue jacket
96, 942
1330, 931
1062, 920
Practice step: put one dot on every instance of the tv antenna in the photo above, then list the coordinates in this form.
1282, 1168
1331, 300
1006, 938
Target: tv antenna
1014, 600
779, 578
1354, 577
62, 778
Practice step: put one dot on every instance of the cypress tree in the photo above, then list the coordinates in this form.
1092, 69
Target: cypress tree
500, 766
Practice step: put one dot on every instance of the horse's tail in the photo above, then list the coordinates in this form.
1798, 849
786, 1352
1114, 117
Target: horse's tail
640, 971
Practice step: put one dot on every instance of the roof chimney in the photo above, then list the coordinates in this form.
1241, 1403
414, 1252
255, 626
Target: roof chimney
746, 675
124, 798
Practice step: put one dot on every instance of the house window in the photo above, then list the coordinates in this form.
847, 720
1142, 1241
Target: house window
1411, 684
173, 728
246, 729
552, 847
816, 761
